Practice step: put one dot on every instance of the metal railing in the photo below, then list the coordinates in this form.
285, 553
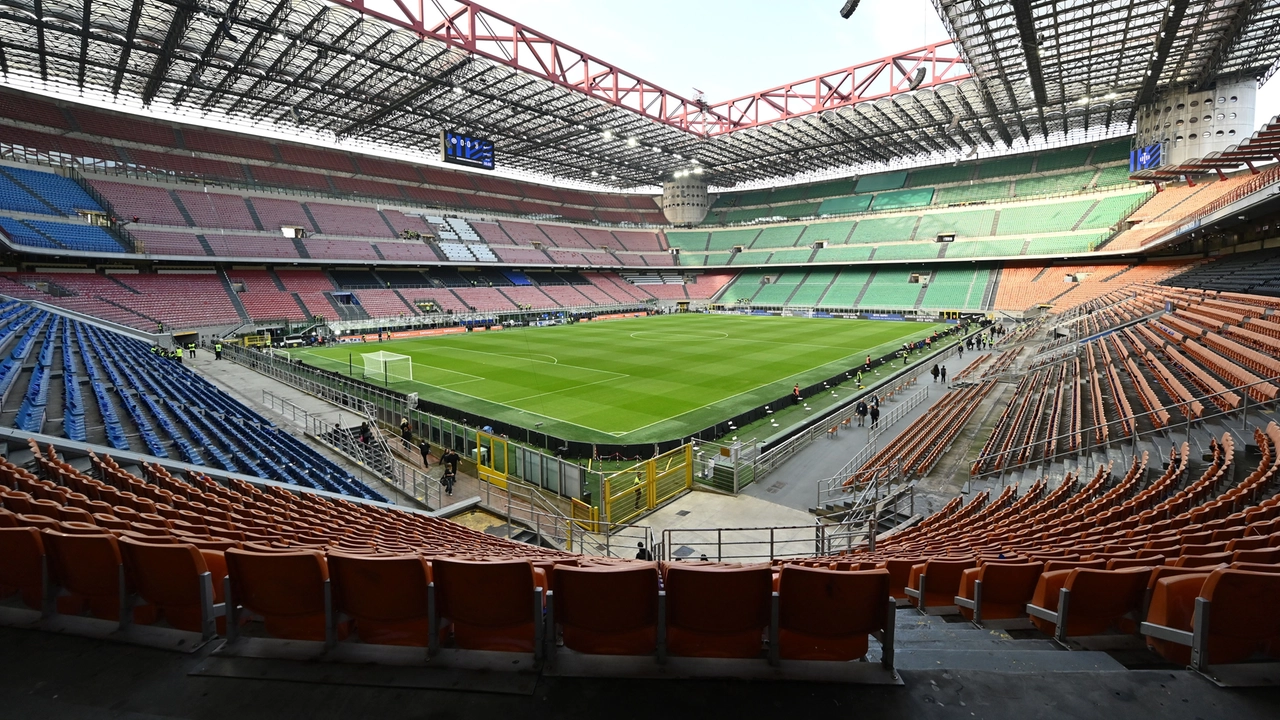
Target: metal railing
375, 456
761, 544
833, 486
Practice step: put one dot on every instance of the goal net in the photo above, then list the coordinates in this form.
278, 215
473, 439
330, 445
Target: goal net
387, 367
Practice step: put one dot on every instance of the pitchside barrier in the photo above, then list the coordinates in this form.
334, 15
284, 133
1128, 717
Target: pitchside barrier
632, 492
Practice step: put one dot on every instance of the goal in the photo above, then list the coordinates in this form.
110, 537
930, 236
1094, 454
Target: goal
387, 367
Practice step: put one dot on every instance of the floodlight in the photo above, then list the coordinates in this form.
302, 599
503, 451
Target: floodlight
849, 7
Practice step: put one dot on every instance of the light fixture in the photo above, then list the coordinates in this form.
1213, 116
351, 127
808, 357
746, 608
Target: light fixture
458, 89
595, 173
847, 9
632, 142
916, 79
607, 134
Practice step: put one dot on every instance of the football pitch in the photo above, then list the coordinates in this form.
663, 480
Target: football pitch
636, 380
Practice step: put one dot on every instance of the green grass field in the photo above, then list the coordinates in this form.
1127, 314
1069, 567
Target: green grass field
629, 381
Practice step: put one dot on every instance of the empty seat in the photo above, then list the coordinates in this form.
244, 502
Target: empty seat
90, 567
936, 582
491, 605
22, 565
717, 611
179, 581
1223, 617
385, 596
828, 614
289, 590
1085, 601
607, 610
998, 591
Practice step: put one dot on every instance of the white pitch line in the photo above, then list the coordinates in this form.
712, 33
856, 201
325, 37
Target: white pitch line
557, 364
553, 392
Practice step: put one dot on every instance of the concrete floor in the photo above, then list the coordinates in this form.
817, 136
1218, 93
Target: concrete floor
795, 484
55, 677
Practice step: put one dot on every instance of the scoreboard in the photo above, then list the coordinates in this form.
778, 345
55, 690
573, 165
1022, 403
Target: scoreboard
460, 149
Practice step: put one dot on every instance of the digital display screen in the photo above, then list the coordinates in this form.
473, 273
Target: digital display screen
462, 149
1145, 158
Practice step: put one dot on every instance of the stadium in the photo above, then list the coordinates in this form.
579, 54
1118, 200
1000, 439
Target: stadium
373, 358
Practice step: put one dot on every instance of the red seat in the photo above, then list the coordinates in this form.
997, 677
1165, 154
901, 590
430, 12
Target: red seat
491, 604
385, 596
90, 566
936, 582
998, 591
289, 590
717, 611
179, 581
22, 565
1098, 601
828, 614
1239, 617
607, 610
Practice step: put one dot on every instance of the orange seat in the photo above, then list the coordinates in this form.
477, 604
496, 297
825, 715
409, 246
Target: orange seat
22, 565
178, 581
828, 614
900, 575
1085, 601
1264, 556
998, 591
90, 567
386, 596
717, 611
491, 604
1212, 619
289, 590
607, 610
936, 582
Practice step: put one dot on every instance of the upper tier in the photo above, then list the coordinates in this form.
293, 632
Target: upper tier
112, 140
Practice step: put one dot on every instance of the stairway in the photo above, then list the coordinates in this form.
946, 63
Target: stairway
235, 297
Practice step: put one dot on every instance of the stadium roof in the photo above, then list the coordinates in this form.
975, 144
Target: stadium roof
395, 75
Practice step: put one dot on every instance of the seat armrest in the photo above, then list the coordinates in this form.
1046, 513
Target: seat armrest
1042, 613
1164, 632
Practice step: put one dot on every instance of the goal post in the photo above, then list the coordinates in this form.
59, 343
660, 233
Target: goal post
387, 367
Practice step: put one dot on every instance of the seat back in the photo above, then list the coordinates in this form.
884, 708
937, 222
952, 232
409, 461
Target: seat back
1052, 565
489, 603
22, 563
88, 566
164, 574
607, 610
900, 574
1101, 598
942, 579
287, 589
717, 611
386, 595
1007, 588
1242, 616
827, 614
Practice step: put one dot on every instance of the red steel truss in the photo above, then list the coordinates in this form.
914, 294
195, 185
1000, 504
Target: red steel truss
867, 81
478, 30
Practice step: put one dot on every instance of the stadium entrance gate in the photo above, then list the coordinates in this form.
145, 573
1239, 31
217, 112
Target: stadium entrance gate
628, 494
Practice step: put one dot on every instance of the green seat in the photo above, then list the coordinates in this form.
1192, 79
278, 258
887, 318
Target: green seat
882, 181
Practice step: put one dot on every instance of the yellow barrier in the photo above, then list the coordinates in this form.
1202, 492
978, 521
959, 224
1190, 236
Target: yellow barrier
491, 463
630, 493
